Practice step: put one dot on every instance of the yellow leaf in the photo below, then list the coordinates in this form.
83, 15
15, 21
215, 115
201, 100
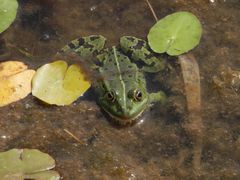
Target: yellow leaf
9, 68
15, 81
55, 83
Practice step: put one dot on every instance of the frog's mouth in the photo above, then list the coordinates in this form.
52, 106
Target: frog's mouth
124, 120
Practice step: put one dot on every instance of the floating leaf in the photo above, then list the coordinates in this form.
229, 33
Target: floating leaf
55, 83
9, 68
46, 175
8, 11
175, 34
15, 81
21, 164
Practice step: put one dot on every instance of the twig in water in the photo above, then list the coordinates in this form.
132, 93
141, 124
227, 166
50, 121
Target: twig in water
73, 136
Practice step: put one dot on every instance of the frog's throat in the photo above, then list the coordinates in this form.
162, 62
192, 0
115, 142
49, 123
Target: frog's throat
124, 121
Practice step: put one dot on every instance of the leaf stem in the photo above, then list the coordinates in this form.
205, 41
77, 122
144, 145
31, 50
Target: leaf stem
152, 10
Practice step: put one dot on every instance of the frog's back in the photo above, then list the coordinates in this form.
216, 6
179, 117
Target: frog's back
119, 72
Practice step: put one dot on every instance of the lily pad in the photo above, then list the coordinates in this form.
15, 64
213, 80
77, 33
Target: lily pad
15, 81
21, 164
175, 34
56, 83
8, 11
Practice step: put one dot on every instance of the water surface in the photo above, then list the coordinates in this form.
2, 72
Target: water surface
156, 148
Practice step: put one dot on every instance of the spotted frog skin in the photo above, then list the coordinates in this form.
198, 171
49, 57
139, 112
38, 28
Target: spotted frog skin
121, 90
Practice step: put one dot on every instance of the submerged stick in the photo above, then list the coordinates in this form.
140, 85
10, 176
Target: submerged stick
191, 78
73, 136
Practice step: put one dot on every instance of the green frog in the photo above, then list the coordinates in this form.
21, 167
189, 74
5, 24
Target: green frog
121, 88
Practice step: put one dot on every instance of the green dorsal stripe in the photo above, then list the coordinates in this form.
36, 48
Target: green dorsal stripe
120, 77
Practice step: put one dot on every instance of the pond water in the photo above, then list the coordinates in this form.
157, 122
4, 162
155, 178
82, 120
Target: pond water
156, 148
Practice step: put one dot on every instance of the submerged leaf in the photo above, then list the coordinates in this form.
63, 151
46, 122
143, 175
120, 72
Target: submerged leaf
8, 11
27, 164
15, 81
55, 83
175, 34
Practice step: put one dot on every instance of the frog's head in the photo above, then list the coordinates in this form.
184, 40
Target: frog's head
122, 89
124, 105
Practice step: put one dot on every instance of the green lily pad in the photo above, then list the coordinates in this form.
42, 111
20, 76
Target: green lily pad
8, 11
21, 164
56, 83
175, 34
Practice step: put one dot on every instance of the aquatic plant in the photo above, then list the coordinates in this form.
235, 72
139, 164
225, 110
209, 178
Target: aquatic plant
175, 34
15, 81
56, 83
27, 164
8, 11
176, 40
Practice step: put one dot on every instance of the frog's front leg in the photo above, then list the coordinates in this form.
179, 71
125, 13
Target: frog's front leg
138, 50
158, 97
85, 47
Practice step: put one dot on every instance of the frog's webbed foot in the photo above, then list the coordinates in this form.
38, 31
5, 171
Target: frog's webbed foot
138, 50
158, 97
85, 47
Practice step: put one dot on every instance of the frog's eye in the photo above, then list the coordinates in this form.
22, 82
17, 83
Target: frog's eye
137, 95
110, 96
